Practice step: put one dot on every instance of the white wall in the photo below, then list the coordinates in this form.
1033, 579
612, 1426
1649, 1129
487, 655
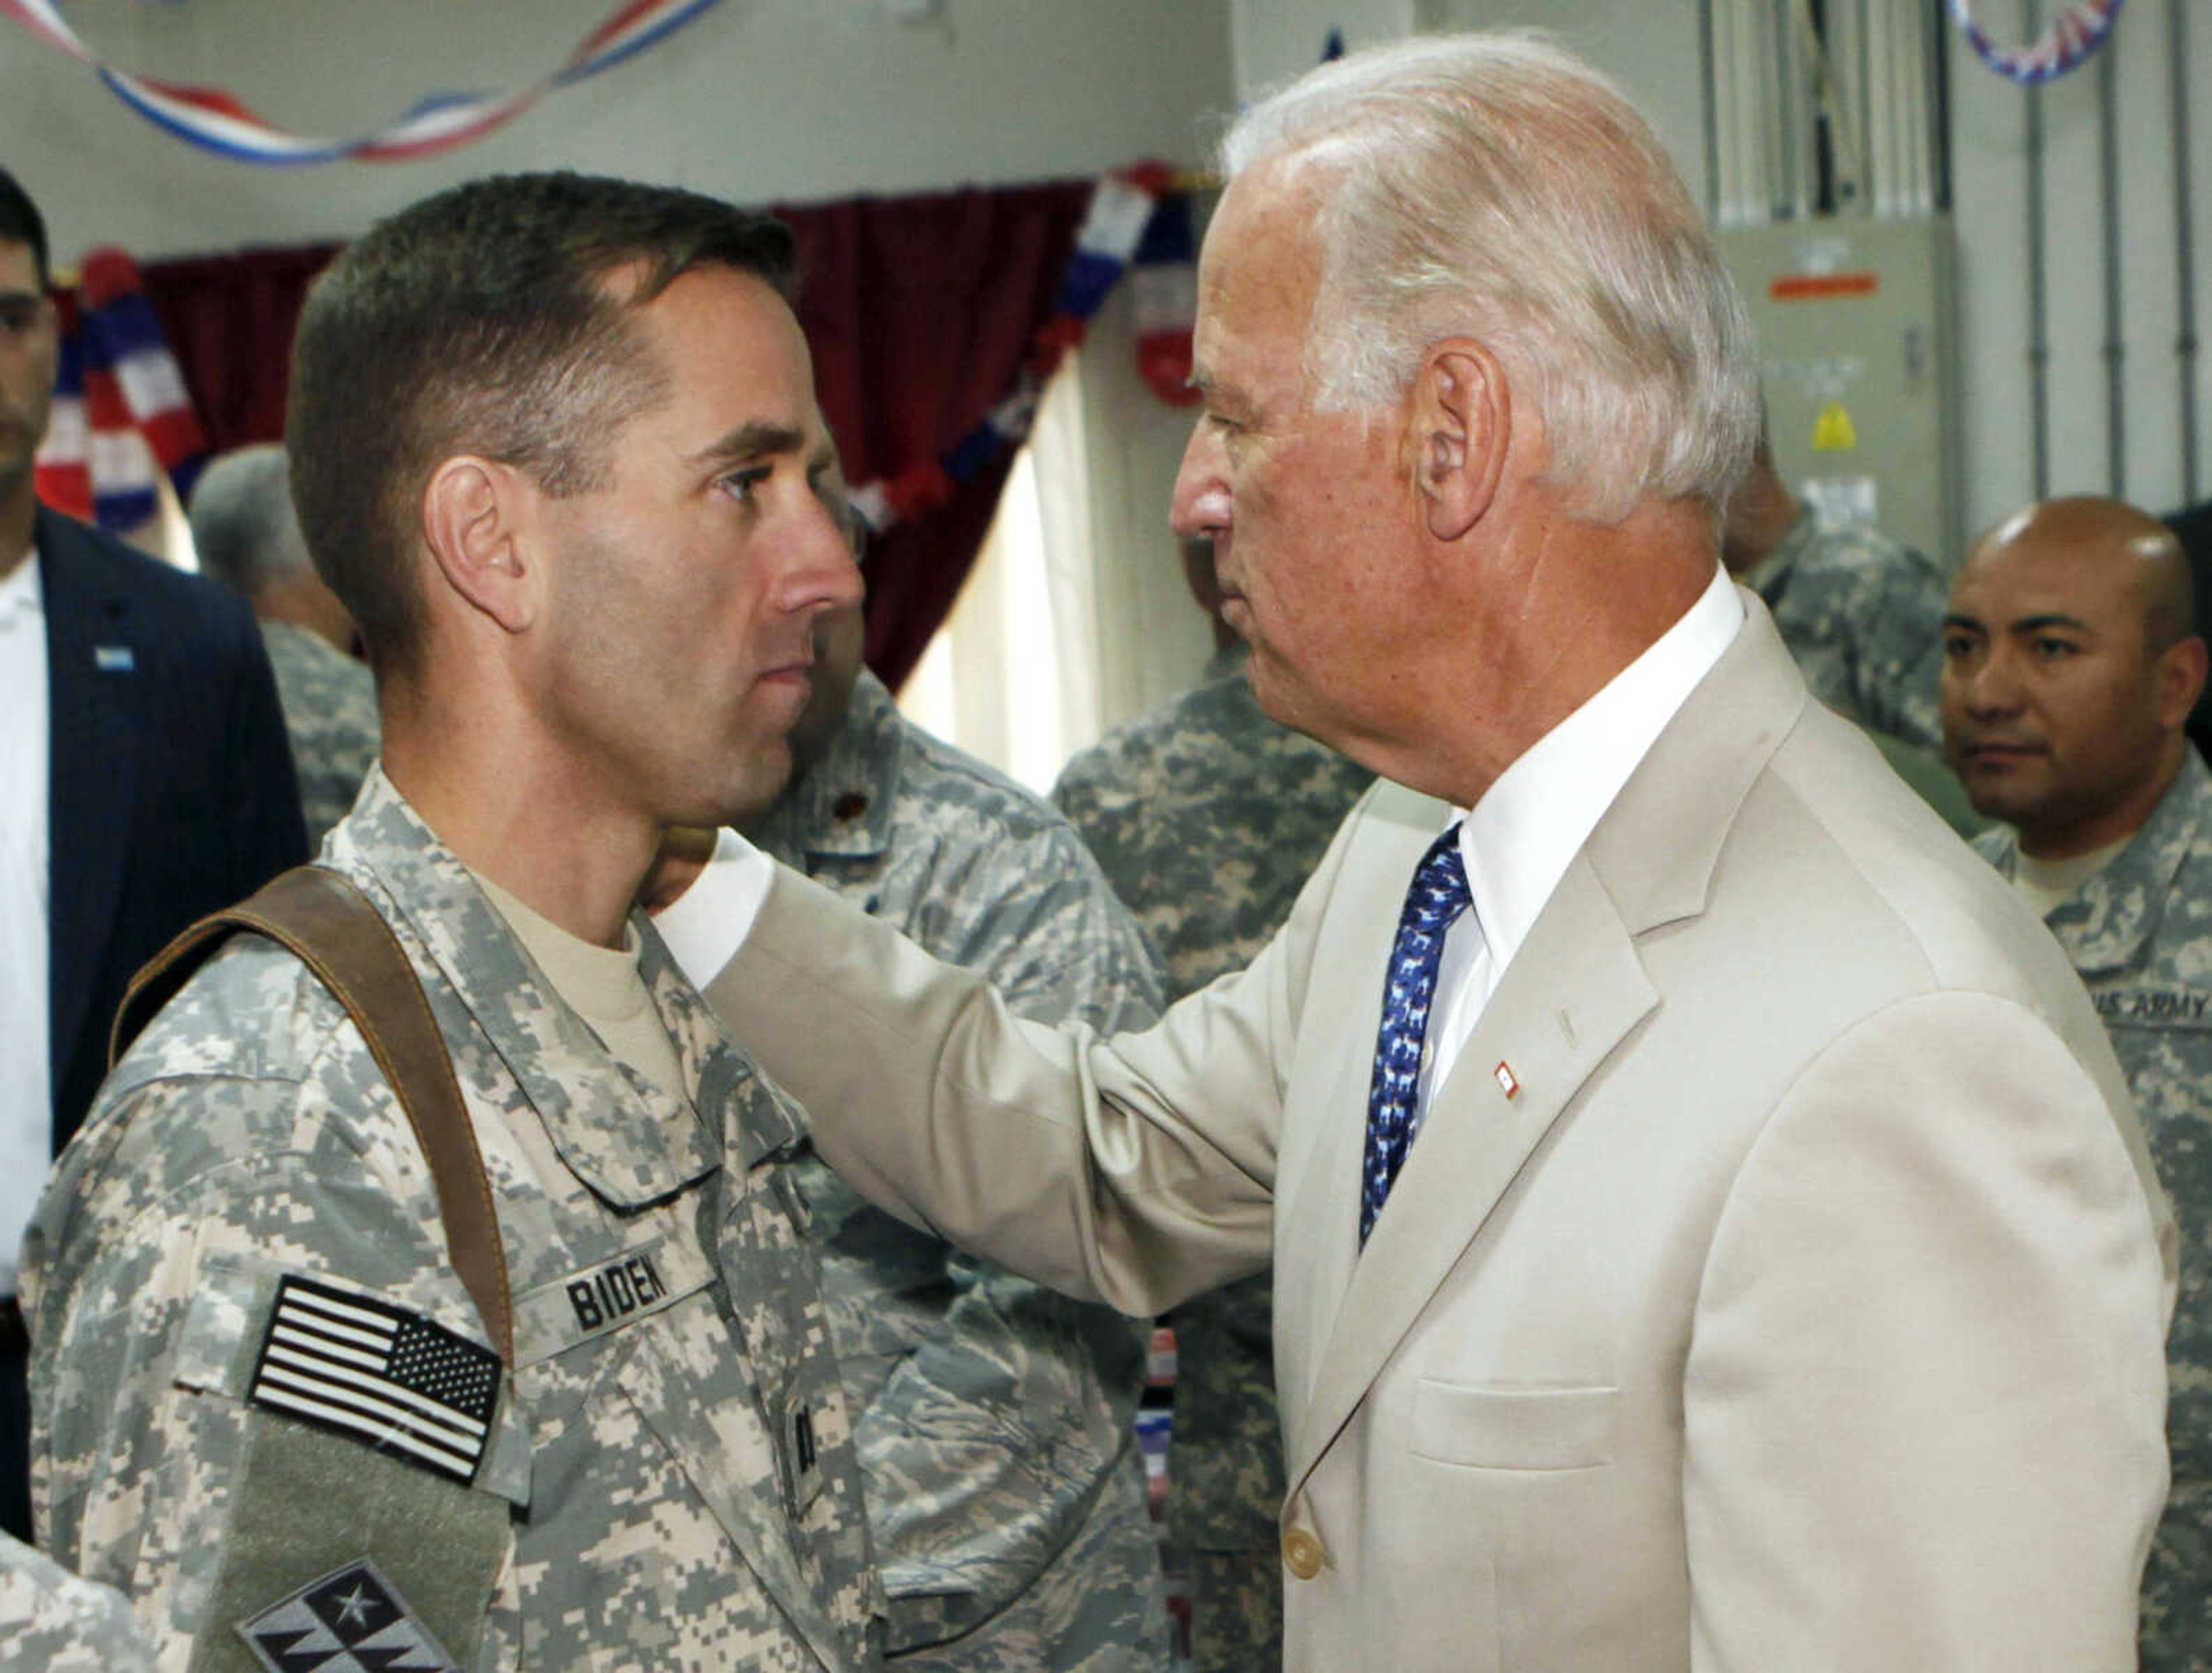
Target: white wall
1652, 48
1989, 177
757, 100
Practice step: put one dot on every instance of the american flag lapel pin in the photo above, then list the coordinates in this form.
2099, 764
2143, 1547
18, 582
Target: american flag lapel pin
1506, 1083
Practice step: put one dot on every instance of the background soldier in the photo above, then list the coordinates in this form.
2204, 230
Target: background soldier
247, 536
1208, 817
995, 1419
2070, 669
556, 446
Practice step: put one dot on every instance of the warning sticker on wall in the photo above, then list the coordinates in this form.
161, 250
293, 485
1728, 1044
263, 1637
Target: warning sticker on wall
1832, 431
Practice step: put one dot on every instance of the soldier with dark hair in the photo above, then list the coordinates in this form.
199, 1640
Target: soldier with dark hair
2071, 665
144, 781
556, 447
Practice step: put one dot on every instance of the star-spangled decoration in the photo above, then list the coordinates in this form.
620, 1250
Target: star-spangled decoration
1437, 896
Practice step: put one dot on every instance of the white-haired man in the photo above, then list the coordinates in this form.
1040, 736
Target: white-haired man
246, 534
1773, 1273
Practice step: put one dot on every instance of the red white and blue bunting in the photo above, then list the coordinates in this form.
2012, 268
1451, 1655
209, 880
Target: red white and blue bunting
216, 121
121, 416
1124, 204
2068, 43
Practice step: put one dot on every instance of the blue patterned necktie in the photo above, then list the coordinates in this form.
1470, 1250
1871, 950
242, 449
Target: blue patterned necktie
1437, 894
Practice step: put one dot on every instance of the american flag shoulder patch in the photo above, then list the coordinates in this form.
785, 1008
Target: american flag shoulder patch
378, 1374
350, 1620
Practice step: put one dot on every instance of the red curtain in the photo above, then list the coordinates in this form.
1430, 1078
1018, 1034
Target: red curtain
229, 320
919, 311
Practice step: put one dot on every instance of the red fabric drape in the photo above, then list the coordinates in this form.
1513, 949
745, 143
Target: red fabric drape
919, 309
229, 320
920, 312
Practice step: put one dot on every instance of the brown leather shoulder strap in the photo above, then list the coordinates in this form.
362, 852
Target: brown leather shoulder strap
330, 925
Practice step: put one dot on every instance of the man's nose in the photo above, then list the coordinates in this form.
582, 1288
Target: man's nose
1199, 505
827, 573
1993, 689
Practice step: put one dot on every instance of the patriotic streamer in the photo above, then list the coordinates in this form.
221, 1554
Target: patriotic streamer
214, 121
121, 418
1121, 206
2065, 46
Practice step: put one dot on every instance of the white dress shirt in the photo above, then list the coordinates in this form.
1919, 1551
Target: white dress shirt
1515, 842
27, 1105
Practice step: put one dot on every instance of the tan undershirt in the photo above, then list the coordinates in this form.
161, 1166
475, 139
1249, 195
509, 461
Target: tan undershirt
602, 985
2043, 883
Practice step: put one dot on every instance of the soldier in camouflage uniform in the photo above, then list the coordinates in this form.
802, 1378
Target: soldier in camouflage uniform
578, 500
53, 1619
1862, 614
1207, 817
2070, 671
995, 1419
330, 715
247, 535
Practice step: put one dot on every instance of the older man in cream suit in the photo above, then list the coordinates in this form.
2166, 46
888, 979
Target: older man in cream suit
1710, 1229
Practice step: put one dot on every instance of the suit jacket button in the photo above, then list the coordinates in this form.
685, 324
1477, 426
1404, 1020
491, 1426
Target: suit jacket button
1302, 1553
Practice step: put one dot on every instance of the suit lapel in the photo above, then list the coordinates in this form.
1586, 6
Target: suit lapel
1576, 989
1573, 992
95, 717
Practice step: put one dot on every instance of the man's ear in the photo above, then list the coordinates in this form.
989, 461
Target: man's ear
475, 517
2181, 668
1461, 423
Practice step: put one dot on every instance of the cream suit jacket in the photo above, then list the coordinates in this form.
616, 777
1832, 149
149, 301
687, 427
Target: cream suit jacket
1799, 1305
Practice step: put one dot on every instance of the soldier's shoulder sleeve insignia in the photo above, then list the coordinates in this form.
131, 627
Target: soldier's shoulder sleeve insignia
378, 1374
351, 1619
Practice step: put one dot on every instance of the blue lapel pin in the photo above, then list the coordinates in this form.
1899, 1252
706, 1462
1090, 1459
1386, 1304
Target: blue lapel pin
113, 659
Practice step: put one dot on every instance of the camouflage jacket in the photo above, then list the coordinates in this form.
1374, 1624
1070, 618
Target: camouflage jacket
990, 1411
1863, 617
53, 1621
2140, 933
329, 715
666, 1477
1208, 817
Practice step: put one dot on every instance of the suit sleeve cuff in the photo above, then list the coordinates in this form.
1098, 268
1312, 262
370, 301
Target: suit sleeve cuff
707, 924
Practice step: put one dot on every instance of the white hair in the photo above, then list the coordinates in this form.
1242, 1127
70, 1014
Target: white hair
1494, 186
244, 532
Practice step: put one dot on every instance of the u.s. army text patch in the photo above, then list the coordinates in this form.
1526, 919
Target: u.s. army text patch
379, 1373
350, 1620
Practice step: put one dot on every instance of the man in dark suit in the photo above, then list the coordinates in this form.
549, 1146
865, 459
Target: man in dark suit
144, 781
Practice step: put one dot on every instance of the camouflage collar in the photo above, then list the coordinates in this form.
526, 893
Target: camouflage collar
842, 804
1770, 576
629, 1142
2105, 923
1226, 663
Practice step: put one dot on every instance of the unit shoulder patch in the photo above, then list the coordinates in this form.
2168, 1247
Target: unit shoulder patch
350, 1620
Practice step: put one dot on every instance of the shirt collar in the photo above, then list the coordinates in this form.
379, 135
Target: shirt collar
21, 595
1517, 840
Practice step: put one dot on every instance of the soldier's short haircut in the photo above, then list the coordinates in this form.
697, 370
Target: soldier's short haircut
21, 224
483, 320
244, 532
